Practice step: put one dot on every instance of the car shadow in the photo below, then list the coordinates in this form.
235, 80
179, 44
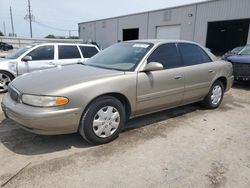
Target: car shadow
22, 142
242, 85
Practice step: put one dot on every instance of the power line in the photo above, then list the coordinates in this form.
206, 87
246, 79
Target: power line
51, 27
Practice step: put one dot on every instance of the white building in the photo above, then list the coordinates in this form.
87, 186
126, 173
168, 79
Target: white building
219, 25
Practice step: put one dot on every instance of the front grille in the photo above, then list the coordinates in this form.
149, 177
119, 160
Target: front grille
15, 95
241, 70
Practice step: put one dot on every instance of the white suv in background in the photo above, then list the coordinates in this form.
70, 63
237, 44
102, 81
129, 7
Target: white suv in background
42, 56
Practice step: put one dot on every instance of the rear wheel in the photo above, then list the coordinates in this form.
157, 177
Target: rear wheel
103, 120
5, 79
215, 96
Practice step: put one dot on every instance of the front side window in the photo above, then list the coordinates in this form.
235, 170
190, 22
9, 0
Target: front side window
16, 54
193, 54
68, 52
88, 51
42, 53
167, 55
123, 56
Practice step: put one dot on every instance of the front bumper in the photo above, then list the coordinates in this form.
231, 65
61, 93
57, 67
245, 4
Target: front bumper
46, 121
230, 81
241, 71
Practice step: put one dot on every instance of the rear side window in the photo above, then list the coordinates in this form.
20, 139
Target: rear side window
68, 52
193, 54
167, 55
88, 51
42, 53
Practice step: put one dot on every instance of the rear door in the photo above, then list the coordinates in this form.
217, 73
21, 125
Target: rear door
43, 57
161, 89
68, 54
199, 71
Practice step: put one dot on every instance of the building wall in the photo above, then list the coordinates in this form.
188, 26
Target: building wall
193, 20
88, 31
106, 32
218, 11
133, 21
248, 40
178, 16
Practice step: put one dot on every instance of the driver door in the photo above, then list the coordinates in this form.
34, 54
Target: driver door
43, 57
161, 89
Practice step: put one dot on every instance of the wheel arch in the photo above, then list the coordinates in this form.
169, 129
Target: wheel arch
7, 71
122, 98
223, 80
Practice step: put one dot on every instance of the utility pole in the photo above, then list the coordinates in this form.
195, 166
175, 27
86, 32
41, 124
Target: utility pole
4, 28
30, 19
12, 25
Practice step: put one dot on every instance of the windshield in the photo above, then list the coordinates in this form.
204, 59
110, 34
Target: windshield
245, 51
122, 56
237, 50
16, 54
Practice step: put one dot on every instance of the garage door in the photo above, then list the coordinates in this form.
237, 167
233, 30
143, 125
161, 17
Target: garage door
168, 32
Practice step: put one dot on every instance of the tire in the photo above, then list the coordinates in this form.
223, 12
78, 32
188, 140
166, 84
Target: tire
210, 101
5, 79
102, 121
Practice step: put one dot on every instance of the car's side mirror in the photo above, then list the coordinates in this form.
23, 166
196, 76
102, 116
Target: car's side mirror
27, 58
153, 66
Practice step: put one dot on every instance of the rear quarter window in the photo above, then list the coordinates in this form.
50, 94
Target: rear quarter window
193, 54
68, 52
88, 51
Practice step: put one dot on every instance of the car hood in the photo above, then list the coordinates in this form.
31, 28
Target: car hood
228, 54
51, 81
239, 59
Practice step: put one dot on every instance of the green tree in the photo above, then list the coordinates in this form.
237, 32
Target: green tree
50, 36
73, 37
1, 34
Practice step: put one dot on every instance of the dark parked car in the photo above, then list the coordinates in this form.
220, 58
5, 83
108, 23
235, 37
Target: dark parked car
233, 52
4, 46
241, 64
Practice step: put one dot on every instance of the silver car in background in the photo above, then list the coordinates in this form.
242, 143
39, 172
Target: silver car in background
43, 56
126, 80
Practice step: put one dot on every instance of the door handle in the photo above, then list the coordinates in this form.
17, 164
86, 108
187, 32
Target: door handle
178, 77
51, 63
211, 71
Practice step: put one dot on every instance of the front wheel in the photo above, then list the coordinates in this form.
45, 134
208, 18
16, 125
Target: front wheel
5, 79
215, 96
103, 120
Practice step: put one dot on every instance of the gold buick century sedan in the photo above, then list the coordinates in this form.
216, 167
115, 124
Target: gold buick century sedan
126, 80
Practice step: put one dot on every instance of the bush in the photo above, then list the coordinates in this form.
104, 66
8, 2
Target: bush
50, 36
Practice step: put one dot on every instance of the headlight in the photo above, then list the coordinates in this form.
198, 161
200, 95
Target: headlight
44, 101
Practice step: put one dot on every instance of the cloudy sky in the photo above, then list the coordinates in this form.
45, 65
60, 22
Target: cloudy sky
64, 14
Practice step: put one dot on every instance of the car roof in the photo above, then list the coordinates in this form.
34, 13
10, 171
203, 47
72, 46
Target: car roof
160, 41
59, 43
67, 43
157, 42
